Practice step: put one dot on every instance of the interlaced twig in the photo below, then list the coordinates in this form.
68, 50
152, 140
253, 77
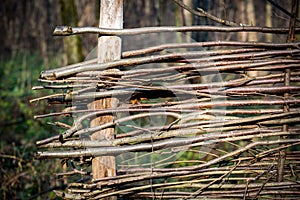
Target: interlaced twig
190, 122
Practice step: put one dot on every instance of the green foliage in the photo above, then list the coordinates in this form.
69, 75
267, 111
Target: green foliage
22, 175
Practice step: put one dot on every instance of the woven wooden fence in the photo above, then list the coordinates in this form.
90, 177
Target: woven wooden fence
190, 119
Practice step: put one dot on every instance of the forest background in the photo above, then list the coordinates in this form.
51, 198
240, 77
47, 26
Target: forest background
28, 47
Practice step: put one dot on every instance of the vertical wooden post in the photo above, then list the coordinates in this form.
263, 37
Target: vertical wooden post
109, 49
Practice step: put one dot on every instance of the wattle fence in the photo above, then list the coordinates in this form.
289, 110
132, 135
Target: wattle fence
215, 119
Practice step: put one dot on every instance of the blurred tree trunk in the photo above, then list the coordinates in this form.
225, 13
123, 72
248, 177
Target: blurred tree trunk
252, 36
72, 44
88, 15
241, 36
41, 26
250, 13
246, 15
268, 18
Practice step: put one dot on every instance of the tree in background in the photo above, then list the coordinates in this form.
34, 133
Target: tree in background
72, 45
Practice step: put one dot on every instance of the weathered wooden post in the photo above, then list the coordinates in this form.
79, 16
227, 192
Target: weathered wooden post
109, 49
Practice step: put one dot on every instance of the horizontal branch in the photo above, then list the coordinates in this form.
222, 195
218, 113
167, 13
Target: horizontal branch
230, 103
207, 58
255, 90
197, 66
256, 119
184, 45
207, 138
208, 44
68, 30
166, 109
101, 151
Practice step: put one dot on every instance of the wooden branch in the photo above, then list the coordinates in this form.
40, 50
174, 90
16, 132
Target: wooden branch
52, 96
198, 192
200, 66
197, 184
237, 103
207, 44
254, 90
129, 118
164, 134
168, 57
176, 142
202, 13
67, 30
282, 9
174, 115
132, 109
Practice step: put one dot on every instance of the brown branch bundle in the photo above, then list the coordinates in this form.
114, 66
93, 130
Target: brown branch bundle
190, 123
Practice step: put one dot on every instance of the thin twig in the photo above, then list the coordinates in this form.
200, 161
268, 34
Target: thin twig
202, 13
198, 192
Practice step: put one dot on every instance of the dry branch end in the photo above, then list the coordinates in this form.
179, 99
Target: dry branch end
63, 31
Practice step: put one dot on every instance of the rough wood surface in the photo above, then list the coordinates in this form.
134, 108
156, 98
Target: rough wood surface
109, 49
